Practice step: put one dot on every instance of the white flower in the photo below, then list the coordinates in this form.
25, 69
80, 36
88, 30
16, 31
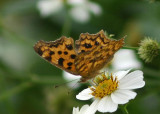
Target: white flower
80, 10
48, 7
69, 77
112, 90
83, 110
125, 59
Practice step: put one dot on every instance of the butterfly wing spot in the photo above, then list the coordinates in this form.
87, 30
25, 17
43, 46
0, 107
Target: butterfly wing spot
65, 52
59, 52
87, 45
82, 51
51, 52
69, 63
73, 56
60, 61
69, 47
96, 43
69, 68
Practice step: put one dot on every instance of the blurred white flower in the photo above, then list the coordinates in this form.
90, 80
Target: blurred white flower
125, 59
83, 110
48, 7
111, 90
69, 77
76, 2
80, 10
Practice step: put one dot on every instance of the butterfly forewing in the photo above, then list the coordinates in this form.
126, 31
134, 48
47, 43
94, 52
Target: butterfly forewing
60, 53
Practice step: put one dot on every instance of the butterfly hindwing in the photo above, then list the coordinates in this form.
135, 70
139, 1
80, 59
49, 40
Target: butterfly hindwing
60, 53
89, 63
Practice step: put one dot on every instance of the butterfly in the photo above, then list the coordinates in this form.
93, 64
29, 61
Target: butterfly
90, 54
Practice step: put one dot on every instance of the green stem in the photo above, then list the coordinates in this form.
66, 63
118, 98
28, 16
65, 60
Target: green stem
67, 22
133, 48
66, 26
15, 90
124, 109
8, 33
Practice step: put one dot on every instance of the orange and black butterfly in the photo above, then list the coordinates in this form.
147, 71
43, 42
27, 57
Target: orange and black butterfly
89, 55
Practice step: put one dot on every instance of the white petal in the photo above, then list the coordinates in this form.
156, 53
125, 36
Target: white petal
120, 74
125, 59
133, 80
107, 105
93, 107
80, 14
122, 96
48, 7
85, 94
84, 109
69, 76
94, 8
73, 78
75, 110
76, 2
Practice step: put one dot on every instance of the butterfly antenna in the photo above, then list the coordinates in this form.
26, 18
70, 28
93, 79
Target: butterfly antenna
72, 87
58, 85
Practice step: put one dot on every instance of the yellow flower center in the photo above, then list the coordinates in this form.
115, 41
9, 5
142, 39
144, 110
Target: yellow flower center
105, 87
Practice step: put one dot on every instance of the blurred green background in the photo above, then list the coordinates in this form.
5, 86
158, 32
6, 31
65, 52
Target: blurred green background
27, 81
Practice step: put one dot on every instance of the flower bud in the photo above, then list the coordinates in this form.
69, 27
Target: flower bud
148, 50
